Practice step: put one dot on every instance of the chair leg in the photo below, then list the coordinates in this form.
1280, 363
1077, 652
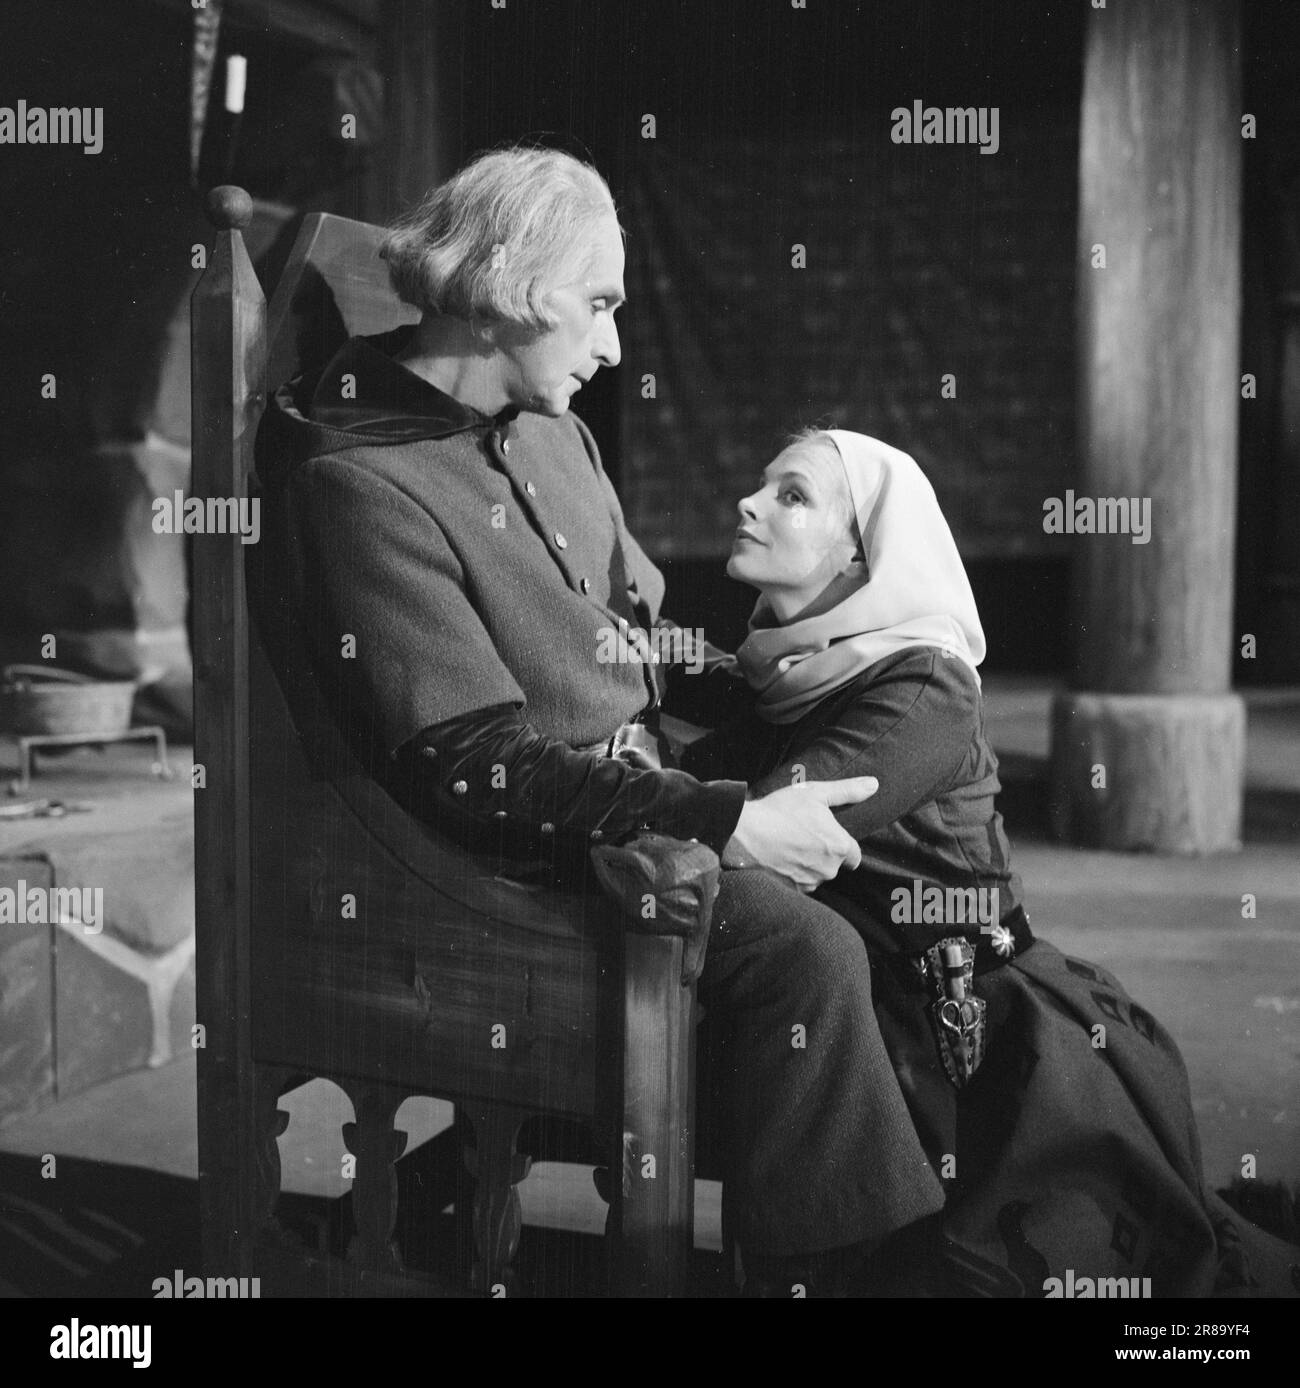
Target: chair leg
464, 1136
652, 1210
497, 1168
376, 1145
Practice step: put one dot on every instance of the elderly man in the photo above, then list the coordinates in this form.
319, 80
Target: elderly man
455, 555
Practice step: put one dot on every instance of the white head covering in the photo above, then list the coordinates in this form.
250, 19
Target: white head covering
912, 591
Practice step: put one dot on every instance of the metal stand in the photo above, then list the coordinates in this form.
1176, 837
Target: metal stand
29, 743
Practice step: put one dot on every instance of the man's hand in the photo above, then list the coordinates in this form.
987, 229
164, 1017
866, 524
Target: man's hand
793, 832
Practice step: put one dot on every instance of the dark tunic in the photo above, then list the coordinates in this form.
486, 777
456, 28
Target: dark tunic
1073, 1152
440, 565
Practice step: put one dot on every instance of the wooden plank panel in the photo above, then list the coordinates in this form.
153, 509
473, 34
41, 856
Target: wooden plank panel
431, 948
228, 314
334, 286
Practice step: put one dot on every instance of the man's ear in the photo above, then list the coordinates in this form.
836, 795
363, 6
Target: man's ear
499, 334
483, 332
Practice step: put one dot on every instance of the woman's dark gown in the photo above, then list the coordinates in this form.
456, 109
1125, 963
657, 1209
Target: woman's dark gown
1072, 1153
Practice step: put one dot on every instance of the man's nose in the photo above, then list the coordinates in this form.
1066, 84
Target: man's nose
606, 348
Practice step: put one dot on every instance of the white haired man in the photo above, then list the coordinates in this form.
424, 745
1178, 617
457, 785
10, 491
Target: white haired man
436, 498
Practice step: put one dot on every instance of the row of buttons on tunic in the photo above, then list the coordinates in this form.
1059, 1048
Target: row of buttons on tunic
560, 541
462, 788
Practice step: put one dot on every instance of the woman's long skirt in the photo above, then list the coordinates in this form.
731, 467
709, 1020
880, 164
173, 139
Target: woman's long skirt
1072, 1156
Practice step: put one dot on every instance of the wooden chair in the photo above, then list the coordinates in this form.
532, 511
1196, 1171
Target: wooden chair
404, 998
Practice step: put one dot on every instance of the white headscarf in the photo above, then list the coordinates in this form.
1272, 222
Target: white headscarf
912, 591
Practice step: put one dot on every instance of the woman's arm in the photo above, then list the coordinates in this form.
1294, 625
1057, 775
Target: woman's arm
913, 727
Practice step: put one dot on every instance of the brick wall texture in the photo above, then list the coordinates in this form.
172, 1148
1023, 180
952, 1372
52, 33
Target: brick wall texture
921, 261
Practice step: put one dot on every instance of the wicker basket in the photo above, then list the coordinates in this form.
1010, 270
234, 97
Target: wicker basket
36, 699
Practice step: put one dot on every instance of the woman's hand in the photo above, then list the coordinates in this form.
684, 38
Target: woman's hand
793, 832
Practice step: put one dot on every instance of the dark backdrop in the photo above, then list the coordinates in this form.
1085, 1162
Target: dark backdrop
771, 129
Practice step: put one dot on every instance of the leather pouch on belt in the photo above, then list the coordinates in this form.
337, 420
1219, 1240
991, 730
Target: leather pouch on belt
957, 1014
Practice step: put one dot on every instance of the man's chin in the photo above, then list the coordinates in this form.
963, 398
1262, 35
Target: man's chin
552, 406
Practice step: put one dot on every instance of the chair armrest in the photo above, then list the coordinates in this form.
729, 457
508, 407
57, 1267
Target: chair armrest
663, 886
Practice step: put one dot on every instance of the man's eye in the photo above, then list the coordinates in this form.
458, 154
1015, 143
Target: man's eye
598, 305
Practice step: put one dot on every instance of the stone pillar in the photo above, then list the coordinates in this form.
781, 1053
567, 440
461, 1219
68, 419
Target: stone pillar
1148, 746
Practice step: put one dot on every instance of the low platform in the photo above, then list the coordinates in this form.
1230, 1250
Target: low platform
84, 1000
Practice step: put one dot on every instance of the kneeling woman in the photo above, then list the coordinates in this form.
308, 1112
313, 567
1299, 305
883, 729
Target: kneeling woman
1055, 1109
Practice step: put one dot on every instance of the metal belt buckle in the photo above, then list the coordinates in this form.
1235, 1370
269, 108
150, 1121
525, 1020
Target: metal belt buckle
636, 744
958, 1015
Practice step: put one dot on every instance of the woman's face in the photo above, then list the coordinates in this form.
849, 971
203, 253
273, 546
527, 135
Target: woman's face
795, 533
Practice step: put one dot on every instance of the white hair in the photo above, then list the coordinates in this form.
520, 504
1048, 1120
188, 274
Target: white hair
493, 241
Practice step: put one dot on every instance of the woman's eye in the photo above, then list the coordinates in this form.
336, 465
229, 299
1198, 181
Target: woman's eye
598, 305
798, 496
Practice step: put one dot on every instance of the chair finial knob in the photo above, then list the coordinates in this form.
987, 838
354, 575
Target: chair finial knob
229, 208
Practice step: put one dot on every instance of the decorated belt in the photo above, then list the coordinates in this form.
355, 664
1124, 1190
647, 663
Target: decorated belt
993, 947
634, 743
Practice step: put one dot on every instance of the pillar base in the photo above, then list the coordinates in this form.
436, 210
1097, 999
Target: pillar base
1173, 767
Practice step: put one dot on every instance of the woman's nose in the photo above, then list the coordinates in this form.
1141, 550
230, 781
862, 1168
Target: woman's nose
746, 507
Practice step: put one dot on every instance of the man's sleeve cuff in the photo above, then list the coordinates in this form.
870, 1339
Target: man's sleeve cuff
714, 818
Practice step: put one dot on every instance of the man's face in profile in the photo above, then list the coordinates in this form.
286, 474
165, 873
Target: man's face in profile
543, 371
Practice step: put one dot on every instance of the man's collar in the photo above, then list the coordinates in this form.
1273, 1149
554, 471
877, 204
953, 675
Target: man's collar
386, 398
